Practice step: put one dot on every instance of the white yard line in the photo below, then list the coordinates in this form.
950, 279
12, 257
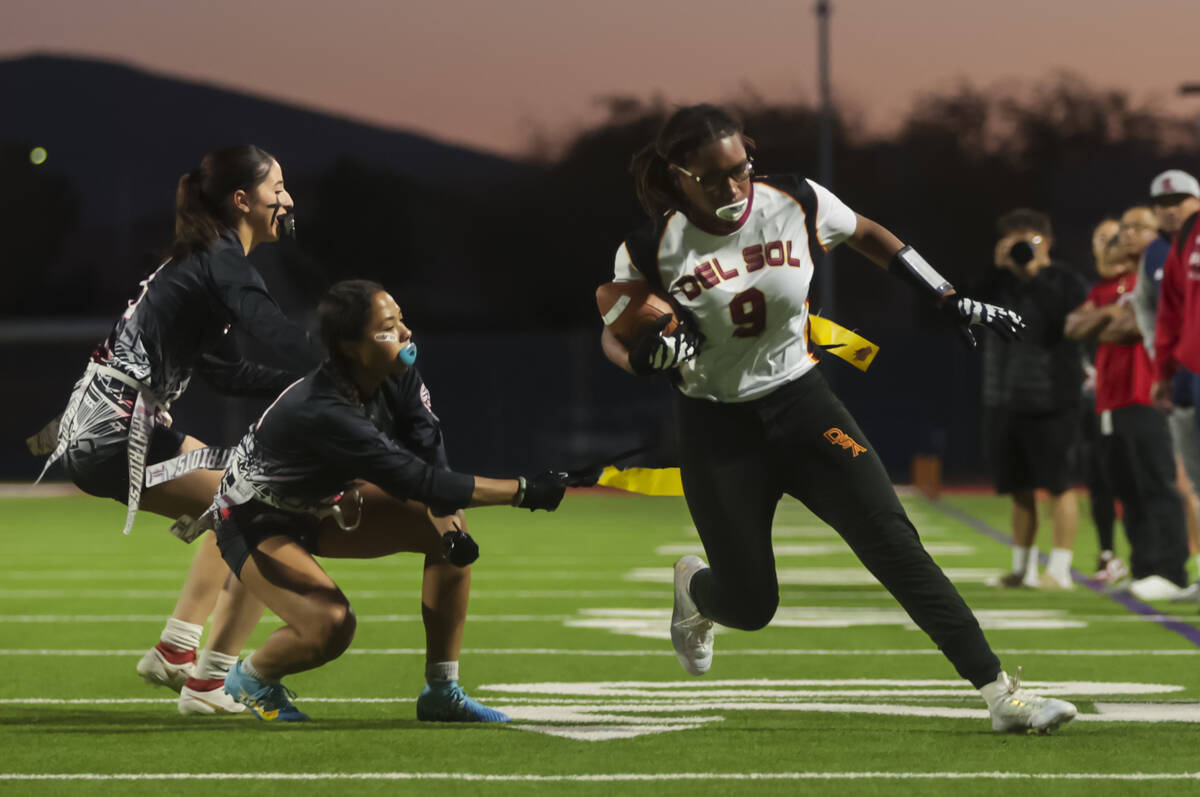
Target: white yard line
604, 777
655, 652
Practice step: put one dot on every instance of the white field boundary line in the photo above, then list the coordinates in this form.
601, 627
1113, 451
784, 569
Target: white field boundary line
605, 777
656, 652
858, 616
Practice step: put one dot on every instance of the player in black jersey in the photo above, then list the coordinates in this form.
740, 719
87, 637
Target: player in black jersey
117, 425
756, 419
293, 491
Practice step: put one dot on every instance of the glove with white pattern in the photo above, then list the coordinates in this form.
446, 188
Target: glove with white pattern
966, 313
655, 352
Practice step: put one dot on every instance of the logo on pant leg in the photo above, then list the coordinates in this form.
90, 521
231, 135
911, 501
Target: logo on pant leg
840, 438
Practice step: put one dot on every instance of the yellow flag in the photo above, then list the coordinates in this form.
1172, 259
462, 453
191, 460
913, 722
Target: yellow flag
841, 342
647, 481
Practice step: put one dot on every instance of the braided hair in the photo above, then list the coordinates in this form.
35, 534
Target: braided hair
686, 130
344, 312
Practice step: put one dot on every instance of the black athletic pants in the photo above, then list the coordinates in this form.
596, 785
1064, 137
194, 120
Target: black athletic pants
1141, 464
1096, 473
737, 462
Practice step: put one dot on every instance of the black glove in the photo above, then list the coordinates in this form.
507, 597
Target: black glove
655, 353
543, 491
965, 313
459, 548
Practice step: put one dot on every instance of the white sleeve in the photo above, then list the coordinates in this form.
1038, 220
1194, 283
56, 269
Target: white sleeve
623, 269
835, 220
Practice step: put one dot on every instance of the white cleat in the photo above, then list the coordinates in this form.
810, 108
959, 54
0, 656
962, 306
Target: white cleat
691, 632
156, 670
207, 697
1014, 710
1155, 588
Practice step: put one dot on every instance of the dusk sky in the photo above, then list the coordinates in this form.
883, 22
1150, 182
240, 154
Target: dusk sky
487, 74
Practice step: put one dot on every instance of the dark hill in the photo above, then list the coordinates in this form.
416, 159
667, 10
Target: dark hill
123, 135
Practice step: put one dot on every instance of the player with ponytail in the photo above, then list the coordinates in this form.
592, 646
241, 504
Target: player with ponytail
115, 438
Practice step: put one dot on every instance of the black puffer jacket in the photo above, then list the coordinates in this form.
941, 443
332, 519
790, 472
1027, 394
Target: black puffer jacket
1043, 372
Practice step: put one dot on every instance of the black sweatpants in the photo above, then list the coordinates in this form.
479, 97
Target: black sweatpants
1141, 464
1096, 473
737, 462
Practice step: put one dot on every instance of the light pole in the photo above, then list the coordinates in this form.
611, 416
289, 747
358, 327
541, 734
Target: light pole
824, 9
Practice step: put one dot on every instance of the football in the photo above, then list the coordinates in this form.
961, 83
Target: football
629, 307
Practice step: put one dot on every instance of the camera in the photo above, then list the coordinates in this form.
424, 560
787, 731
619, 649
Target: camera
1022, 253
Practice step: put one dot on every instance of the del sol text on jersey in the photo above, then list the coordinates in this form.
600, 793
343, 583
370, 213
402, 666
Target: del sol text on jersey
711, 273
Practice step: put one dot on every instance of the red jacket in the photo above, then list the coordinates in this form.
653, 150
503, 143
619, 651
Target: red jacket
1123, 371
1177, 331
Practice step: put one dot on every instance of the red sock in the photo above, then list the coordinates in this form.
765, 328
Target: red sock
174, 655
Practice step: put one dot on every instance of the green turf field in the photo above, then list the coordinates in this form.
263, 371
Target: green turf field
568, 634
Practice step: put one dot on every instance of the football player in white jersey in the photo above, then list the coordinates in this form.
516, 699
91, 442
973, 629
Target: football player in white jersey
756, 419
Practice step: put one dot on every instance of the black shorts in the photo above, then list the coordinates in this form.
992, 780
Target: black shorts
240, 529
1032, 450
100, 466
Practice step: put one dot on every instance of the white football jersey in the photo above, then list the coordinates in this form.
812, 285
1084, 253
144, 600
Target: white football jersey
747, 292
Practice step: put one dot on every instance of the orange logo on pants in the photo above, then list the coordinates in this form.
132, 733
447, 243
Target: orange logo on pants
840, 438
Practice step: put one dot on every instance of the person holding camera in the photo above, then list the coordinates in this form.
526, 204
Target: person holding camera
1031, 393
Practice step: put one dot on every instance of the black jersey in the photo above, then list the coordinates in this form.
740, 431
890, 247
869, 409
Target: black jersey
313, 441
180, 320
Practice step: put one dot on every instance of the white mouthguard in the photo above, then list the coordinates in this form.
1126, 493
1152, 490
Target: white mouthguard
733, 212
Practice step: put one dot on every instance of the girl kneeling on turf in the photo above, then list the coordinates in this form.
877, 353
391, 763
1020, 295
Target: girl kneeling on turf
365, 414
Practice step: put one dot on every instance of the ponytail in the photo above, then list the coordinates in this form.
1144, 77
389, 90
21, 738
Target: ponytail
196, 225
681, 135
202, 207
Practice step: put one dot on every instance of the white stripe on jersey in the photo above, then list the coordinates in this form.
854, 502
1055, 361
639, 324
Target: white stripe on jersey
747, 291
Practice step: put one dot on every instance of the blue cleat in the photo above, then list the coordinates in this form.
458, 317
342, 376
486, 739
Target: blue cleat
269, 702
447, 702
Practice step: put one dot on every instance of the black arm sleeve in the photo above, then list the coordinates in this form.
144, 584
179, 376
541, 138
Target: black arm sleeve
229, 373
350, 442
253, 312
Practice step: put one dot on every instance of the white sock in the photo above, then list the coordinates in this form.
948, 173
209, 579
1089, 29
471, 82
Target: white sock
441, 671
249, 669
996, 689
1059, 565
1021, 557
211, 664
181, 635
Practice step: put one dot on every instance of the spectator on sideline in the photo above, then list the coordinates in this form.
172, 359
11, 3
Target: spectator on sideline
1031, 392
1174, 195
1136, 442
1101, 496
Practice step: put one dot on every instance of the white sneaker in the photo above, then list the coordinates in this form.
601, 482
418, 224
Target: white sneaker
1154, 588
207, 697
157, 670
1188, 594
691, 632
1052, 582
1014, 710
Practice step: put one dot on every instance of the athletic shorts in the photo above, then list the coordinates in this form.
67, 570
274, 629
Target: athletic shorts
240, 530
96, 458
1032, 450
